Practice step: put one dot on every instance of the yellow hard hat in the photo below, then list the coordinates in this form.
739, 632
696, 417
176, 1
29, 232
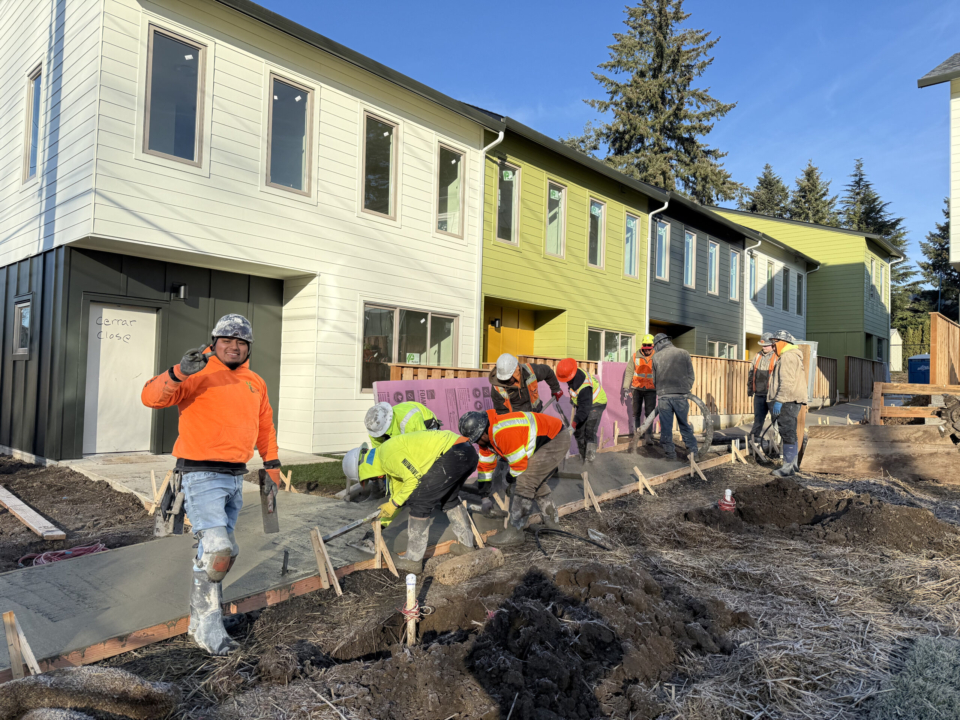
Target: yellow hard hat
647, 340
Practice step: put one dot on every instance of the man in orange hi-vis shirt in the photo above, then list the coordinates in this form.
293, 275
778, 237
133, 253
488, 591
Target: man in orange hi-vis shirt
534, 445
224, 413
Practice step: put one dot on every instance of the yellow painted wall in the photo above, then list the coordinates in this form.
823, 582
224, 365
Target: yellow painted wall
515, 335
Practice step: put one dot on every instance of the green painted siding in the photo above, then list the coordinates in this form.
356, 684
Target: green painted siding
567, 294
876, 310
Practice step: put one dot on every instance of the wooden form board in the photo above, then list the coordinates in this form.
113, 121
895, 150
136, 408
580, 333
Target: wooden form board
30, 517
164, 631
878, 410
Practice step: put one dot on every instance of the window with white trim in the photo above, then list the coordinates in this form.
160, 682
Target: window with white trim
288, 147
720, 349
663, 251
508, 202
556, 217
598, 211
21, 327
174, 97
752, 277
31, 135
379, 166
873, 272
631, 246
713, 268
770, 283
799, 294
403, 335
689, 259
609, 345
734, 275
785, 295
450, 191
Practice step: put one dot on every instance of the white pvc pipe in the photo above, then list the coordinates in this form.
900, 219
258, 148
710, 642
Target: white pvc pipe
411, 604
479, 275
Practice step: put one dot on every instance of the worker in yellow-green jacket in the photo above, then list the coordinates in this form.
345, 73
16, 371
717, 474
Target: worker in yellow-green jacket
384, 421
424, 470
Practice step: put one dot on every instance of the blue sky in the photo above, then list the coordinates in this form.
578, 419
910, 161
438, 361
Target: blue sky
831, 81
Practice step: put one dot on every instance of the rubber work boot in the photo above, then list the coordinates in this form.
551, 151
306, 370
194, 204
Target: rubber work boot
412, 562
591, 452
460, 524
519, 515
206, 616
549, 514
633, 443
789, 467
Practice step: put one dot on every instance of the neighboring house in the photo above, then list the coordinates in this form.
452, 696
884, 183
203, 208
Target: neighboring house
564, 251
949, 71
896, 351
166, 163
848, 298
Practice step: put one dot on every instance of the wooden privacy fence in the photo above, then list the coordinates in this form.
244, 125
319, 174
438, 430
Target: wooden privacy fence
944, 351
404, 371
590, 366
861, 375
722, 385
825, 384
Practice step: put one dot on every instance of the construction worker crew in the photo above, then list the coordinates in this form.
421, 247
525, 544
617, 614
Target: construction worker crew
425, 470
224, 411
515, 385
534, 444
590, 400
384, 421
785, 396
640, 381
758, 380
673, 377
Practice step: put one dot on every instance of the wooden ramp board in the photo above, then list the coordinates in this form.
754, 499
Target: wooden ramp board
907, 452
30, 517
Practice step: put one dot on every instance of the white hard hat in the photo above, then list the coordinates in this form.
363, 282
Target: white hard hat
351, 463
378, 419
506, 366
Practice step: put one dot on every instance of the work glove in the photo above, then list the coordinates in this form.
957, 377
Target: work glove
558, 394
490, 510
269, 490
777, 407
194, 361
573, 424
624, 394
387, 511
274, 474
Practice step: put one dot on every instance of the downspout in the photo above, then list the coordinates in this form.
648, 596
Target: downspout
805, 296
649, 254
483, 201
746, 293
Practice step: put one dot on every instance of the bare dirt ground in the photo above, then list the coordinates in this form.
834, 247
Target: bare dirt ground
83, 508
805, 603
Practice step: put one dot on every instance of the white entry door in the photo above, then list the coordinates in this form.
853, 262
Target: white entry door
121, 351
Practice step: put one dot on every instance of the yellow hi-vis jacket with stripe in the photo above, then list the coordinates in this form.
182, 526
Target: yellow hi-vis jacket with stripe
514, 438
591, 381
408, 417
405, 459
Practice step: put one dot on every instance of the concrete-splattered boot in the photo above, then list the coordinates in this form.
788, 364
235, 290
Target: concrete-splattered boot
206, 616
412, 561
519, 517
591, 452
460, 524
633, 443
549, 514
789, 466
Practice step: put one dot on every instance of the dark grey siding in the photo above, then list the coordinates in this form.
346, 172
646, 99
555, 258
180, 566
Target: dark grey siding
42, 394
711, 317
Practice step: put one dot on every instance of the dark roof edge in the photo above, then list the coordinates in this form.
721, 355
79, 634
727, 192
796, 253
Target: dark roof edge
928, 80
857, 233
289, 27
590, 162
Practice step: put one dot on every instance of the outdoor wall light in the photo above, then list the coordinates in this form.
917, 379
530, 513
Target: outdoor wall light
496, 323
180, 291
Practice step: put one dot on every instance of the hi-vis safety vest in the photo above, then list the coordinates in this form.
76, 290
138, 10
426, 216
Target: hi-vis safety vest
756, 365
514, 438
642, 371
599, 396
531, 388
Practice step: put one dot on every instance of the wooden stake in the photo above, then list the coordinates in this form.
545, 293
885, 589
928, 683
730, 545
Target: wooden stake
153, 483
642, 482
501, 503
476, 534
600, 443
30, 517
323, 561
588, 494
696, 468
163, 488
18, 648
382, 553
616, 433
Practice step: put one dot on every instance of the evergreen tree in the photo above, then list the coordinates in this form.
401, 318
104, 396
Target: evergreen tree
769, 197
658, 119
810, 200
937, 265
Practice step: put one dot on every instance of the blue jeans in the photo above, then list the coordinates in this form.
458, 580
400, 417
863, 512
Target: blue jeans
670, 405
213, 500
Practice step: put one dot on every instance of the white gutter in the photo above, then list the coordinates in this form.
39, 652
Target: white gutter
746, 294
483, 200
649, 253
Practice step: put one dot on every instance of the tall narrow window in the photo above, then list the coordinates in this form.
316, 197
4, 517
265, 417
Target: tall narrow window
556, 211
630, 246
450, 193
31, 148
883, 287
508, 186
873, 271
379, 166
288, 151
770, 287
734, 275
595, 245
799, 294
689, 259
785, 295
663, 251
21, 327
752, 277
713, 268
174, 93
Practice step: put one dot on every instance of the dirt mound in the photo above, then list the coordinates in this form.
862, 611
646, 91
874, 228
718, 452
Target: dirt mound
829, 516
588, 642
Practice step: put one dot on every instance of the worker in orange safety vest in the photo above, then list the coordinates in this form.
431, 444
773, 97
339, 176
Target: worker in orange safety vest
640, 383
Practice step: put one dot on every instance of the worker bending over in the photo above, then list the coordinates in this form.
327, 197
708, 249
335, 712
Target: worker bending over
534, 445
758, 381
515, 385
425, 471
673, 377
384, 421
644, 392
224, 412
785, 396
590, 400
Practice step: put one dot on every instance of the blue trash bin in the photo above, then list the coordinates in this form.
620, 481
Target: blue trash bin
918, 369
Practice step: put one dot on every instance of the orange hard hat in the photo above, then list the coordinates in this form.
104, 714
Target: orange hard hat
566, 369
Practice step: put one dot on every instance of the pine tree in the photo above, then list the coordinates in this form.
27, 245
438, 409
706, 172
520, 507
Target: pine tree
937, 265
810, 200
769, 197
658, 118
